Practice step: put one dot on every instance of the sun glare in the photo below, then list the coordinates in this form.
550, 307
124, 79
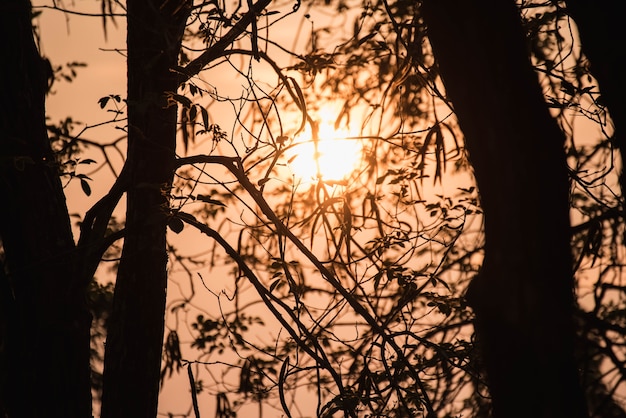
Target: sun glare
333, 156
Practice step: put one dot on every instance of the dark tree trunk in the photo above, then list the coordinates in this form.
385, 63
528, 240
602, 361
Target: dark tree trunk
523, 297
135, 335
44, 322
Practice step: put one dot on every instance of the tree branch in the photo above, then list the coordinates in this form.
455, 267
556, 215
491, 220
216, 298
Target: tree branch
218, 49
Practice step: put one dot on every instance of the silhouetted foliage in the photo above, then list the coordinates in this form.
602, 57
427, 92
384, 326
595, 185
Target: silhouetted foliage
488, 161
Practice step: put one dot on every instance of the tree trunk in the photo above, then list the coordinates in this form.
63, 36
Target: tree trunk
44, 321
523, 297
135, 335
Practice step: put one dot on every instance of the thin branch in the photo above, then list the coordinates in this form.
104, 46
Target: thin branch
219, 48
84, 14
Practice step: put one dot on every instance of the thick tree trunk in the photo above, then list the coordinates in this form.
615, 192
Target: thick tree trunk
523, 298
135, 335
44, 334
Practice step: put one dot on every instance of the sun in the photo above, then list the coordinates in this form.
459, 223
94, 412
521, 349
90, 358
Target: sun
330, 155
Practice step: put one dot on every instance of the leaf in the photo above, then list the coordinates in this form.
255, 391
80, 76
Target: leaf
377, 278
366, 38
184, 123
103, 101
207, 199
85, 186
274, 285
382, 178
184, 101
568, 88
205, 117
176, 225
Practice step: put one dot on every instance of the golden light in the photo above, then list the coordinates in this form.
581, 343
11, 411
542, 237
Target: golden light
329, 155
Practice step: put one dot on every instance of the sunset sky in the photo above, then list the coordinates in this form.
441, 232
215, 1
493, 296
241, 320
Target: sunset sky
408, 216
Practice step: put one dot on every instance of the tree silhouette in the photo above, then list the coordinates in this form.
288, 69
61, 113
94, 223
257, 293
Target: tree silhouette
42, 291
523, 296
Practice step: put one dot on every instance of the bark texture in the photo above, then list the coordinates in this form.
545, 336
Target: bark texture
44, 321
135, 336
523, 297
